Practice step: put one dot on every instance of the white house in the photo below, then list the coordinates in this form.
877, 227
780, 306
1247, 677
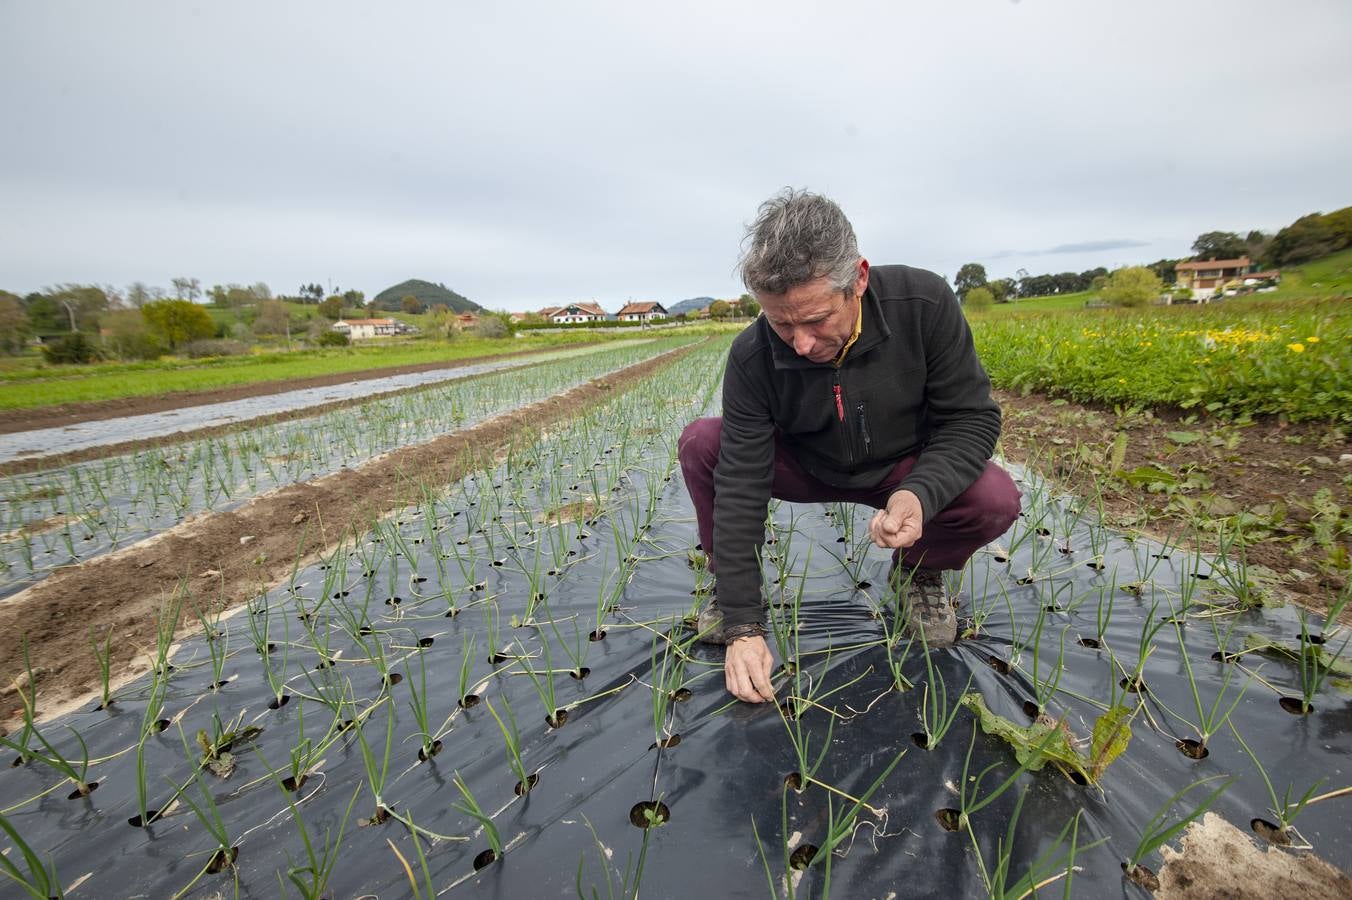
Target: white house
645, 311
574, 312
361, 329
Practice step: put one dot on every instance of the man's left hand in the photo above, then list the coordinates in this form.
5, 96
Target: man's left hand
898, 525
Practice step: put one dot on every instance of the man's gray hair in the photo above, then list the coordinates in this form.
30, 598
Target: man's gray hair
798, 236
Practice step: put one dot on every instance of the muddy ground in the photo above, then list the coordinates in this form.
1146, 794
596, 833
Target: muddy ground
1217, 861
1270, 469
224, 559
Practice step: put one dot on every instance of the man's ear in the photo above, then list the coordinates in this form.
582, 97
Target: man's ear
861, 278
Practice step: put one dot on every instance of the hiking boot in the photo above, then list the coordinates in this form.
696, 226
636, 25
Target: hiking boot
709, 623
927, 605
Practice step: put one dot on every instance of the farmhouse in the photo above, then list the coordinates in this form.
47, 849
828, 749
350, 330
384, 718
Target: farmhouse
574, 312
361, 329
646, 311
1207, 278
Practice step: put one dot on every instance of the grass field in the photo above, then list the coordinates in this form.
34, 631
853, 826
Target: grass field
31, 386
1259, 356
1051, 303
1330, 276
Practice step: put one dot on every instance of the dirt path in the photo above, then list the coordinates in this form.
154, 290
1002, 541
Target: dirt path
68, 414
226, 558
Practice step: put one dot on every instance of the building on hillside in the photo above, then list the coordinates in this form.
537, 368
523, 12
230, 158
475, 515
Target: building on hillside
645, 311
518, 317
361, 329
1206, 278
574, 312
466, 320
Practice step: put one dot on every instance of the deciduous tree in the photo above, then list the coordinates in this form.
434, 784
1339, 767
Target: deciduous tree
332, 307
1219, 245
273, 318
138, 295
1002, 289
187, 288
176, 322
969, 276
13, 323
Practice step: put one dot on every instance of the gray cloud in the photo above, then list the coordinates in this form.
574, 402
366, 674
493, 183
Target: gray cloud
1094, 246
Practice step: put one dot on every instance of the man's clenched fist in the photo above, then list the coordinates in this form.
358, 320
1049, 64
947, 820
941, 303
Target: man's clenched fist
898, 525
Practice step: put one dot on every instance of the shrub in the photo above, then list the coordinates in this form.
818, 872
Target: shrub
71, 349
1132, 286
331, 338
202, 349
490, 327
978, 298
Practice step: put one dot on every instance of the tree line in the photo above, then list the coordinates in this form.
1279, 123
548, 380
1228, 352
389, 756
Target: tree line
84, 322
1307, 238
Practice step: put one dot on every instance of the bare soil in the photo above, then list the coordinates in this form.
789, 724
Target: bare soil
1270, 468
224, 559
95, 411
1217, 861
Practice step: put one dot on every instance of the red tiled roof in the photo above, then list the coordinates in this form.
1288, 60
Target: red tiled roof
643, 306
1241, 263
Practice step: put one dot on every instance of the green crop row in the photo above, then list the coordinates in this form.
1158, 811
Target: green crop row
1287, 358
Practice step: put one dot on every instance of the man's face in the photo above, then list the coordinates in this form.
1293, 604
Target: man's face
816, 318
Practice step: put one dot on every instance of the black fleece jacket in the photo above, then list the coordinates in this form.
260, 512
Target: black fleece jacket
911, 384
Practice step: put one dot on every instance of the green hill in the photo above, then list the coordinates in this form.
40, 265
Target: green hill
428, 295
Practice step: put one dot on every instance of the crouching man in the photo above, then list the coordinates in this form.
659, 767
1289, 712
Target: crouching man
859, 384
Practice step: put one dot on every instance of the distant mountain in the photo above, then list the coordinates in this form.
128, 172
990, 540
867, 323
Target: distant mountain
428, 294
686, 306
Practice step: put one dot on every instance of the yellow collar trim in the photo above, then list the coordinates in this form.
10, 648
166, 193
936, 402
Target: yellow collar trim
858, 327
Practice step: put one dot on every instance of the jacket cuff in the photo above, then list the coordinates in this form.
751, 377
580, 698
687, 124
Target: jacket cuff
924, 495
750, 629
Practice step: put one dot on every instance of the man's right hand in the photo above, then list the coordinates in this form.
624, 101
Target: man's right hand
747, 669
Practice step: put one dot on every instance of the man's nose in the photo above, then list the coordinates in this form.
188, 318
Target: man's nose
802, 343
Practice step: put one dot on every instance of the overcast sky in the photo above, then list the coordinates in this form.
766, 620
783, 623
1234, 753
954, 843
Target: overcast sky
533, 153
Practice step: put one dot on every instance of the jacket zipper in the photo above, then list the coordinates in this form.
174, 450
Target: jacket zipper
863, 429
839, 395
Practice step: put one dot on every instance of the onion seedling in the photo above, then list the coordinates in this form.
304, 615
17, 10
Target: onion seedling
77, 770
1284, 810
1210, 719
209, 816
103, 655
417, 704
1156, 833
40, 881
936, 712
473, 810
511, 739
376, 770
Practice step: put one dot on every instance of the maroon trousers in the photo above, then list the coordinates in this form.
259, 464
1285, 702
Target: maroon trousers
976, 517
